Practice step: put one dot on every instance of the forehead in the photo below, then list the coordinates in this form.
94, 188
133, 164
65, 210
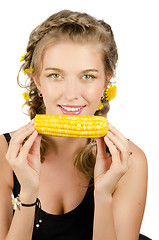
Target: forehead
73, 55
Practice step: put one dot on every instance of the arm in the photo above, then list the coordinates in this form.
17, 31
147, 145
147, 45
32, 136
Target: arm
19, 226
6, 182
119, 197
104, 227
130, 196
23, 221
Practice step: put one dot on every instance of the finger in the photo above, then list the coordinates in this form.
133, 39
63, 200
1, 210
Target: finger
113, 150
120, 166
36, 145
116, 132
122, 146
27, 146
118, 142
22, 129
35, 162
101, 158
101, 150
17, 140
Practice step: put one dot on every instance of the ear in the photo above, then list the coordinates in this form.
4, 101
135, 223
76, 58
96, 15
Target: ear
37, 82
108, 78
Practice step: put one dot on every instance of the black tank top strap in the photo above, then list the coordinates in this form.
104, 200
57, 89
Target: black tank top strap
16, 189
7, 137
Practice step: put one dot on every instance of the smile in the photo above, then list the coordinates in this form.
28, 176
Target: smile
71, 110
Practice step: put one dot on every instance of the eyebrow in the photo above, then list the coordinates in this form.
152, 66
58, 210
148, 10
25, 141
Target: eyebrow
60, 70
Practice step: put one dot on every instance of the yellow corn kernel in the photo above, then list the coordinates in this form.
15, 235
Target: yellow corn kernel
77, 126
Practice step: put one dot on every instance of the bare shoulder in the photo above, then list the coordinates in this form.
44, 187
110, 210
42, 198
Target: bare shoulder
138, 158
138, 170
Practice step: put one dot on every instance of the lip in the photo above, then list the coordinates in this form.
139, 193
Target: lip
64, 111
73, 106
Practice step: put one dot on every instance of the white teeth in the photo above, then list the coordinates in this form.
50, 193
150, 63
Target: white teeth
71, 109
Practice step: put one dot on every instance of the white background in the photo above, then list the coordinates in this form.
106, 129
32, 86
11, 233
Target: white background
134, 111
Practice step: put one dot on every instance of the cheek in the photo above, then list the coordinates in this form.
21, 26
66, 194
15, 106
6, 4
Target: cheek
49, 94
94, 93
49, 90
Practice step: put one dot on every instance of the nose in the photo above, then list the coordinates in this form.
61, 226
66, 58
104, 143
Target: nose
71, 90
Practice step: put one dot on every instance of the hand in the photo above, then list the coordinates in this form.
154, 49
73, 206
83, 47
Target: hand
107, 172
25, 159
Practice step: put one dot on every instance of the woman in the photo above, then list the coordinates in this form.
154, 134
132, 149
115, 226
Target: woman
71, 188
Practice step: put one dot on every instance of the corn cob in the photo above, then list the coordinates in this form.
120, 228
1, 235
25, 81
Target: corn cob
77, 126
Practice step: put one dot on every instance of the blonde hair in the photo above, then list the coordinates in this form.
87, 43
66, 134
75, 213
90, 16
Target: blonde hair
80, 28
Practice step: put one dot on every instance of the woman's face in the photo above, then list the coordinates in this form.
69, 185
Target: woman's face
72, 80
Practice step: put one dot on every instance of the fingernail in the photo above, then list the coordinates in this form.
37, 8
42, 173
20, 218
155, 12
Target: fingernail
34, 132
106, 138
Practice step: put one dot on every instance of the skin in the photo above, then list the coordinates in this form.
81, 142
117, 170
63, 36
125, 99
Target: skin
120, 182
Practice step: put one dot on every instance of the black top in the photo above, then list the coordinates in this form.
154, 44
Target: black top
74, 225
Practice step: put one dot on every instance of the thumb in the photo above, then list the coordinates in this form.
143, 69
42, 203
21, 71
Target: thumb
36, 145
101, 148
101, 162
34, 162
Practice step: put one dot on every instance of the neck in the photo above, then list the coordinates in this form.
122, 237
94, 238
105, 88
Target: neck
64, 149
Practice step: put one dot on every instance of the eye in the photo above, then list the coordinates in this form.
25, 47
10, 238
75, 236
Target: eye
88, 77
54, 76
